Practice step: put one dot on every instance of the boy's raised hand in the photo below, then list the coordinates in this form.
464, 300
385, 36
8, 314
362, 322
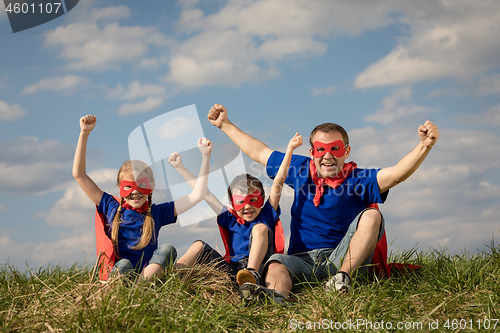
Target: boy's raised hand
175, 159
87, 123
428, 134
205, 146
217, 115
296, 141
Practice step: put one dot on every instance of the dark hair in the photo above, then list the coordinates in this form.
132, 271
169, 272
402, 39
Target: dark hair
330, 128
245, 182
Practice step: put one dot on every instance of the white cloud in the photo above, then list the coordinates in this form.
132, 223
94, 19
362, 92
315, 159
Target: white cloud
30, 166
394, 107
148, 104
447, 39
243, 41
199, 61
74, 208
26, 150
136, 89
66, 83
329, 90
155, 94
87, 46
490, 116
37, 177
9, 112
177, 127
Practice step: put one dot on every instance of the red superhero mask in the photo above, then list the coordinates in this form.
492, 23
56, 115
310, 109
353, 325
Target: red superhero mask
143, 185
240, 201
336, 148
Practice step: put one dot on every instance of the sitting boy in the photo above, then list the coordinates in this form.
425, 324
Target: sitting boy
249, 225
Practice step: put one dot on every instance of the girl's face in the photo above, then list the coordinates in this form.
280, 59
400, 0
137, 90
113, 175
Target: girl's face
249, 212
135, 199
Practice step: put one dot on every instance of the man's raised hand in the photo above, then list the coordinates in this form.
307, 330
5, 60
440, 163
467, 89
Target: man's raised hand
428, 134
217, 115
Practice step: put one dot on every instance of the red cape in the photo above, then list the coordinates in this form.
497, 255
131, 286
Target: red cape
105, 252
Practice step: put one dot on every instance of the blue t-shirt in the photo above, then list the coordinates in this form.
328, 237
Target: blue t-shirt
239, 234
130, 231
324, 226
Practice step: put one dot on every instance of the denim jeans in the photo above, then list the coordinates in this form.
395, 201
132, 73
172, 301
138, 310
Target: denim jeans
320, 264
165, 255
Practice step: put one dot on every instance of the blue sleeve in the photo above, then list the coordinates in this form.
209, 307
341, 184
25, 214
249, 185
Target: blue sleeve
107, 206
367, 186
224, 217
297, 172
163, 214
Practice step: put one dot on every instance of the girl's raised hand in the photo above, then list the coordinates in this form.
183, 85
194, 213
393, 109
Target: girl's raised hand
175, 159
87, 123
296, 141
205, 146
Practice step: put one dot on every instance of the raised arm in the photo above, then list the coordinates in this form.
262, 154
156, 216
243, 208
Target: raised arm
255, 149
390, 177
200, 188
175, 160
87, 124
279, 180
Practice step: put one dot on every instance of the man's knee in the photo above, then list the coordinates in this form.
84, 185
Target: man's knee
371, 218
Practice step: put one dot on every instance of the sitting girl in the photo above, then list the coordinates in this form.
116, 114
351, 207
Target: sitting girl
133, 222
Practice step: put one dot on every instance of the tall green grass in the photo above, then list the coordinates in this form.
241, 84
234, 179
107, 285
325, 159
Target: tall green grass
448, 288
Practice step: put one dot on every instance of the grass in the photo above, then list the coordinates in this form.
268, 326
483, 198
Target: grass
447, 288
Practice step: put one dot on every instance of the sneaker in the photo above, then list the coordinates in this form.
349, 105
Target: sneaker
251, 291
340, 282
248, 275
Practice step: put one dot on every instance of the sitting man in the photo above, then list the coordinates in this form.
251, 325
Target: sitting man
329, 215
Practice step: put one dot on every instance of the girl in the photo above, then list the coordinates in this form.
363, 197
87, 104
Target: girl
249, 224
133, 224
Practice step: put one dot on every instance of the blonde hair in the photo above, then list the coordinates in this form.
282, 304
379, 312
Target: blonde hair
137, 168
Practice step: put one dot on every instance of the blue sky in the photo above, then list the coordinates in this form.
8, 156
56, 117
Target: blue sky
380, 69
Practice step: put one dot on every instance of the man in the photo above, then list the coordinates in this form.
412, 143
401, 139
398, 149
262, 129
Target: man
330, 218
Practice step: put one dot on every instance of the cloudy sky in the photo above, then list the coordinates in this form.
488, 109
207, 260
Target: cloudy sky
379, 68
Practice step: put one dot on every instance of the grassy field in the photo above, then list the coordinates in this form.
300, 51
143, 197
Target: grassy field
450, 293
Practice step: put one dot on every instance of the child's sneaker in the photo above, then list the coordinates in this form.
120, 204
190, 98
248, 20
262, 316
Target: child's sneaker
248, 275
251, 291
339, 282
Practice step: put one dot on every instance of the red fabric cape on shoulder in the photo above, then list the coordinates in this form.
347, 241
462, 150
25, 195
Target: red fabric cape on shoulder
104, 247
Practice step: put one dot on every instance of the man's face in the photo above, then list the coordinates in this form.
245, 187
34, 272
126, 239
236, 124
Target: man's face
328, 165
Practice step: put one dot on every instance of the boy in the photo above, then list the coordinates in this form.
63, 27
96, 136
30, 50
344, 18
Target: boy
249, 225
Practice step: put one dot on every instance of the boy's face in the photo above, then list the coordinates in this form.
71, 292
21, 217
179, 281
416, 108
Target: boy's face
248, 212
136, 198
329, 165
